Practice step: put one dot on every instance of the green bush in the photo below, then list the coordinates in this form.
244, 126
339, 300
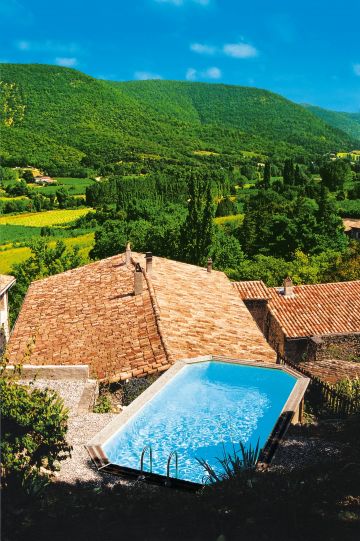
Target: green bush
103, 405
33, 430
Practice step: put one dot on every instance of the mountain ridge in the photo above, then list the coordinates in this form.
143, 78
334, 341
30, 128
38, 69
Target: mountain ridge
56, 117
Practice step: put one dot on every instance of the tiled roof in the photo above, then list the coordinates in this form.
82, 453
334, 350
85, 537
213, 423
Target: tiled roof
6, 281
331, 370
252, 290
89, 315
351, 224
317, 309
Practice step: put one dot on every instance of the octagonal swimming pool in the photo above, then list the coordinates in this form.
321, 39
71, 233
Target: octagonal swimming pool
203, 408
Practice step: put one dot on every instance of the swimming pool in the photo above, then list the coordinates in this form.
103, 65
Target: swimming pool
203, 407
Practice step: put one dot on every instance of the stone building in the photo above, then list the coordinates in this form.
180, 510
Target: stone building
129, 316
318, 324
6, 282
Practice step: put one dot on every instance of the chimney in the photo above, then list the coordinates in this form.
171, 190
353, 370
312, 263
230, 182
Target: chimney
138, 280
149, 262
288, 287
209, 264
128, 254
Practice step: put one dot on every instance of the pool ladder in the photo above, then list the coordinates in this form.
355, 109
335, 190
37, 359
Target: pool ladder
171, 455
146, 448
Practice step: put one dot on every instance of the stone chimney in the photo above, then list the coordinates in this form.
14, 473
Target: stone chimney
288, 287
149, 262
209, 264
138, 280
128, 254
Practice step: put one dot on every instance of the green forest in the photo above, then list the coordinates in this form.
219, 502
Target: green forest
185, 170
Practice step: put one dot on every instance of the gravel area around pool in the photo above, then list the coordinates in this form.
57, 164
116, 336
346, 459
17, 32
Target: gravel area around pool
298, 450
81, 428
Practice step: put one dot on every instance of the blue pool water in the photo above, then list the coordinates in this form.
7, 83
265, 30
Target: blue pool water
203, 407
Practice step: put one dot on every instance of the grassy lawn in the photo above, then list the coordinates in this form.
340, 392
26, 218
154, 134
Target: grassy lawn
46, 218
9, 255
74, 186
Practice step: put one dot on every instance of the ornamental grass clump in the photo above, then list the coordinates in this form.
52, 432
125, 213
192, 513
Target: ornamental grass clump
232, 465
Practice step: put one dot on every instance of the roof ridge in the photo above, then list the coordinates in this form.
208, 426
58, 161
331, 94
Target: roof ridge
157, 313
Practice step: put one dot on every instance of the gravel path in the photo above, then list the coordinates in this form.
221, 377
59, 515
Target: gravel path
81, 428
297, 451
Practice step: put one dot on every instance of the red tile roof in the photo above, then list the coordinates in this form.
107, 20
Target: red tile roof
89, 315
317, 309
331, 370
252, 290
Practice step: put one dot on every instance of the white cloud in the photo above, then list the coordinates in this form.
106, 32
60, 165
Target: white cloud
146, 75
356, 68
212, 73
240, 50
201, 48
191, 74
47, 46
66, 61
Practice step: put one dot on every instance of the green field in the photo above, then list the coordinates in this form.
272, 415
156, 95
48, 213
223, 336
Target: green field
46, 218
9, 255
236, 219
74, 186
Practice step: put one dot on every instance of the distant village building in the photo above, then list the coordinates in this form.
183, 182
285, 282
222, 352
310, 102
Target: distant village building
6, 282
317, 325
352, 228
129, 316
44, 180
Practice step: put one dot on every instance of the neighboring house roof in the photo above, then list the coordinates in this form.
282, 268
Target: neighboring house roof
89, 315
252, 290
317, 309
331, 370
6, 281
351, 224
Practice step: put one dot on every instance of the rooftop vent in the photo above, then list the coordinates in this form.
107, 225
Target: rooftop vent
209, 264
138, 280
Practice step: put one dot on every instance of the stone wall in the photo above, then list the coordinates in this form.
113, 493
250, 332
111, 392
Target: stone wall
258, 310
345, 347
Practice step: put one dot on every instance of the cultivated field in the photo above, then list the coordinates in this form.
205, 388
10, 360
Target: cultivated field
43, 219
9, 255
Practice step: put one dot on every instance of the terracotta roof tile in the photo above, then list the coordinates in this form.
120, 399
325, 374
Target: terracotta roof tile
89, 315
317, 309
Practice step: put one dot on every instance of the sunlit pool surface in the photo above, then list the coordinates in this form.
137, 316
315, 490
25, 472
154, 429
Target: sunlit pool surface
203, 407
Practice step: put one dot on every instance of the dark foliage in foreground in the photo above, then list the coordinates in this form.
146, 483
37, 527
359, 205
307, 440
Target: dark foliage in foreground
313, 504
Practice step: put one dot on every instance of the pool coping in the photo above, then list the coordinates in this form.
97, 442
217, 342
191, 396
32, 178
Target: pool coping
95, 445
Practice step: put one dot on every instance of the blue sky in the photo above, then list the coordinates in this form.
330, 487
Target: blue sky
308, 51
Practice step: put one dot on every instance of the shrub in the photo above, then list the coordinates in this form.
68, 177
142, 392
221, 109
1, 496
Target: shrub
103, 404
33, 430
232, 464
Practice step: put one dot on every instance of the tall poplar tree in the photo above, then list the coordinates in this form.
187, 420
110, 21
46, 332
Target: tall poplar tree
197, 230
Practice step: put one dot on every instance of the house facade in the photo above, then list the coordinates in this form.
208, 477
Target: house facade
6, 282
